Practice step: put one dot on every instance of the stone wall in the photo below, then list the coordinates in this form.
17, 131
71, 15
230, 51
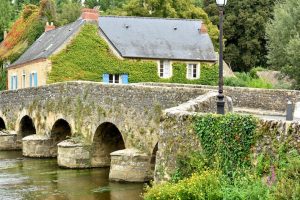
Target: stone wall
134, 109
264, 99
178, 138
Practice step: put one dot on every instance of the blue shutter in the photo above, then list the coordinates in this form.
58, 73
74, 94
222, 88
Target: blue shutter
11, 82
16, 82
35, 80
124, 78
30, 79
105, 78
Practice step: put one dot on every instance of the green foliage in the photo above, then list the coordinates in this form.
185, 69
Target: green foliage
3, 78
205, 185
244, 30
247, 80
68, 12
88, 57
226, 142
7, 8
282, 34
48, 10
91, 3
227, 139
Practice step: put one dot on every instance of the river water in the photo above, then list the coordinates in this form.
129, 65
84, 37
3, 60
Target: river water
34, 179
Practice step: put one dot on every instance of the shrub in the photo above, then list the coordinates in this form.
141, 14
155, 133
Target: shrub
205, 185
247, 80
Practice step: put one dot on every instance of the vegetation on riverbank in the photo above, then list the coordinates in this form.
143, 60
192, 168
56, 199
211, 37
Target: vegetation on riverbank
227, 167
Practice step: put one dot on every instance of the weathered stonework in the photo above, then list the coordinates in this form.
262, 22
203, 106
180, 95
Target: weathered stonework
9, 141
73, 155
178, 138
130, 165
38, 146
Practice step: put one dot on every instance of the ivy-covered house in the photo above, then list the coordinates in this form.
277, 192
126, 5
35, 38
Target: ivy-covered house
115, 49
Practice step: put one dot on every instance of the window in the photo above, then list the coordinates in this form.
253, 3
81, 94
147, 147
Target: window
33, 79
24, 79
115, 78
165, 69
193, 71
13, 82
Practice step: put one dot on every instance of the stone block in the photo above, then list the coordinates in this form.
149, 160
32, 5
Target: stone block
73, 155
130, 165
9, 140
38, 146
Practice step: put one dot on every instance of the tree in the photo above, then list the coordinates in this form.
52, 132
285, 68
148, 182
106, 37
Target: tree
68, 12
244, 30
168, 9
283, 36
7, 8
48, 10
92, 3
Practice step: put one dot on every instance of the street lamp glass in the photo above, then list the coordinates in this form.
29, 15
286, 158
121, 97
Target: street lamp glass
221, 2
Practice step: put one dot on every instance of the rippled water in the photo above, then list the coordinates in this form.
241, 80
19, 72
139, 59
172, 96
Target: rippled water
26, 178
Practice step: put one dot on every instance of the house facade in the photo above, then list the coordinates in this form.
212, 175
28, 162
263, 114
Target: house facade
164, 41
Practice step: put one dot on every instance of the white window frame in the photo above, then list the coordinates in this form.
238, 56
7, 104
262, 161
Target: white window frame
23, 79
32, 79
164, 69
14, 82
114, 79
190, 71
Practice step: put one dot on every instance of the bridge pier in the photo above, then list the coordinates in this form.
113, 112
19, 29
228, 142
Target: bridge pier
73, 155
39, 146
130, 165
9, 140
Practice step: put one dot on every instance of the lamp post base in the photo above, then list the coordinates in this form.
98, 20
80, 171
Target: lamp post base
221, 105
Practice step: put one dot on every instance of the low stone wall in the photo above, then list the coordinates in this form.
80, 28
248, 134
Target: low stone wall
38, 146
178, 138
73, 155
9, 141
256, 98
130, 165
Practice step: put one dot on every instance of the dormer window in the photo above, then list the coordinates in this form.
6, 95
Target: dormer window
165, 69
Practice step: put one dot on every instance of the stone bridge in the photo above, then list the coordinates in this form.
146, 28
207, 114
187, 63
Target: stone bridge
88, 124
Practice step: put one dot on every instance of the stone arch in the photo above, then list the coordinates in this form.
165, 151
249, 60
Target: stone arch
60, 131
2, 124
107, 139
153, 157
26, 127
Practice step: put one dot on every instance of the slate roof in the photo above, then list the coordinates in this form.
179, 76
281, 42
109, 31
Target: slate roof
49, 42
157, 38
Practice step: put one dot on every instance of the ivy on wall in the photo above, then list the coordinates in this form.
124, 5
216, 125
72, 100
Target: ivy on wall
227, 139
88, 57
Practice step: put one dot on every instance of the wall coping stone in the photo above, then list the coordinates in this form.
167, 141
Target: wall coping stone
35, 137
69, 144
7, 133
129, 152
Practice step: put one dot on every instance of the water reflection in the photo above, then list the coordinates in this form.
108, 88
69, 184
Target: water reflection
26, 179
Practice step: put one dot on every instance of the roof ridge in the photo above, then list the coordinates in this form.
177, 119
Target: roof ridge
138, 17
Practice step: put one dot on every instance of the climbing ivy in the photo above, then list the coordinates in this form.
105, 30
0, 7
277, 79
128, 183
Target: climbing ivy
227, 139
88, 56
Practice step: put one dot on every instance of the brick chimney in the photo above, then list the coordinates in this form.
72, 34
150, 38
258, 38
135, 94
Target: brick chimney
203, 28
49, 27
90, 14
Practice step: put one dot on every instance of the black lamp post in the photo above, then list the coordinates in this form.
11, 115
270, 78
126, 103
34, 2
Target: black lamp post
220, 102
